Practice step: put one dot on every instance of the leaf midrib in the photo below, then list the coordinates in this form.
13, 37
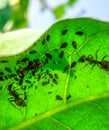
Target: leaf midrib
59, 109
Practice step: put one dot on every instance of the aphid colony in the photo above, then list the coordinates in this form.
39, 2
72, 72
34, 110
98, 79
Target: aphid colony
34, 66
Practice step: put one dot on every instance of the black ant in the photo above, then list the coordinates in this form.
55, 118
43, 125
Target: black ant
19, 101
103, 63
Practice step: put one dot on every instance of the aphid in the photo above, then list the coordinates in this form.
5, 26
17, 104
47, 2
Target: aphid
27, 81
0, 87
1, 78
63, 45
74, 45
12, 75
56, 76
45, 83
66, 68
24, 59
50, 92
48, 37
68, 97
3, 61
43, 42
61, 54
25, 96
54, 81
1, 73
8, 69
73, 64
50, 75
20, 81
80, 33
64, 32
48, 55
36, 87
58, 97
33, 51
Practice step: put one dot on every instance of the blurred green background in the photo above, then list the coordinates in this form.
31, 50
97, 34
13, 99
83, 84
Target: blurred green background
15, 14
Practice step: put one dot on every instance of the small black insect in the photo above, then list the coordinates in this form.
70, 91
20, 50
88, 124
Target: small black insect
1, 78
64, 32
3, 61
1, 73
8, 69
73, 64
50, 75
61, 54
48, 55
43, 42
45, 83
48, 37
66, 68
74, 44
25, 59
80, 33
54, 81
68, 97
58, 97
64, 45
56, 76
33, 51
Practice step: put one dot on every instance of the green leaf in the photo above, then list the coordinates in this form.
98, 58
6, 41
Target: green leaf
51, 85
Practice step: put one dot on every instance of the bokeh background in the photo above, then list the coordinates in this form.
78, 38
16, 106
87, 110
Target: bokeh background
41, 14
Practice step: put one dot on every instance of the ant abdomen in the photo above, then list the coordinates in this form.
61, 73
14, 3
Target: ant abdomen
104, 65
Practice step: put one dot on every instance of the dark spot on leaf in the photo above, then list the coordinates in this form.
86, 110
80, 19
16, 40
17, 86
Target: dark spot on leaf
58, 97
74, 44
68, 97
48, 55
43, 42
63, 45
61, 54
64, 32
80, 33
48, 37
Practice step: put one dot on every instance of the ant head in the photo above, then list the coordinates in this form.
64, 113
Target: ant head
82, 58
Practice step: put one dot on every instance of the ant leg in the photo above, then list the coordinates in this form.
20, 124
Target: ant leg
11, 100
86, 65
104, 57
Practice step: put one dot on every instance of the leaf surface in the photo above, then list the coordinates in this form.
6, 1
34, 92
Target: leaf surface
49, 86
